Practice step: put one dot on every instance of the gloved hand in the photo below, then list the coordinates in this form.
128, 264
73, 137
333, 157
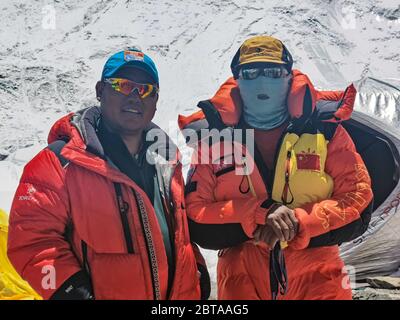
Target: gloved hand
265, 234
77, 287
281, 220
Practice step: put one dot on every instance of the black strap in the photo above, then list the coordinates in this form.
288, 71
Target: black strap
205, 282
123, 211
277, 272
212, 115
85, 261
56, 147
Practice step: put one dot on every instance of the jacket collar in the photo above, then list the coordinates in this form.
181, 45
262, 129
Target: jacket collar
83, 146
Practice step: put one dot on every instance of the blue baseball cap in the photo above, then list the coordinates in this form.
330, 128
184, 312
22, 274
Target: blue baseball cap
130, 57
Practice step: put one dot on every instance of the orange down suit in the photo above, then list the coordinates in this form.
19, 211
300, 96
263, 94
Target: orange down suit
330, 194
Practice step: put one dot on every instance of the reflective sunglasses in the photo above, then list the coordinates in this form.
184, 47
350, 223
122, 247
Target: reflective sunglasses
269, 72
126, 87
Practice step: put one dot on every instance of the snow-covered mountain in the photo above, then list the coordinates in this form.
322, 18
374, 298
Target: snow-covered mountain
52, 53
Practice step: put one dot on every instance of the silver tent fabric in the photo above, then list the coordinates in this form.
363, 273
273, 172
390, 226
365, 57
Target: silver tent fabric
377, 252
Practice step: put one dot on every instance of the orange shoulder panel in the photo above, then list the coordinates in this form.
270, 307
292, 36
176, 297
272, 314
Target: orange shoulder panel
346, 109
228, 102
297, 92
183, 121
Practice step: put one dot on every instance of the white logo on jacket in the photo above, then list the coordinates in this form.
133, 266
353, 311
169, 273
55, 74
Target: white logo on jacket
31, 190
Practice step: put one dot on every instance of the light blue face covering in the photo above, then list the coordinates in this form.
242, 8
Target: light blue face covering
270, 112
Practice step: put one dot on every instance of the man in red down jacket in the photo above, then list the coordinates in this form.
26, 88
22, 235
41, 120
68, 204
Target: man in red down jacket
99, 213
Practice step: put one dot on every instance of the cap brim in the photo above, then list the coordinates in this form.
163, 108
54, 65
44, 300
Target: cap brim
261, 59
135, 64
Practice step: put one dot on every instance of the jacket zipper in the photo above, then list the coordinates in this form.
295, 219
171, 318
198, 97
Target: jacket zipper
151, 253
173, 225
168, 208
123, 211
147, 232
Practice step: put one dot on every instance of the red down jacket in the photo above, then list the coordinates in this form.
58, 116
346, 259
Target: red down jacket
61, 208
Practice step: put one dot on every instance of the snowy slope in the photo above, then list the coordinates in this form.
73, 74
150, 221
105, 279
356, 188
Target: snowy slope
52, 52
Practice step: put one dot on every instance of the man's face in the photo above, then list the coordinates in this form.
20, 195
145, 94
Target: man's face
127, 114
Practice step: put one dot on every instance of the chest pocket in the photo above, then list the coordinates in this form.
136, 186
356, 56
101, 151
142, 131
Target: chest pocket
97, 223
300, 175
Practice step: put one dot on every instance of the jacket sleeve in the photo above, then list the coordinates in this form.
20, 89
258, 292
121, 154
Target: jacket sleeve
347, 213
37, 246
219, 224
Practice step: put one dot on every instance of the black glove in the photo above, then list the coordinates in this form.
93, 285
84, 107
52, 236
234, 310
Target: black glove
205, 283
77, 287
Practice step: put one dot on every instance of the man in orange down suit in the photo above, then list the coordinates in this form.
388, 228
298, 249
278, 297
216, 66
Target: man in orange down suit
279, 226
